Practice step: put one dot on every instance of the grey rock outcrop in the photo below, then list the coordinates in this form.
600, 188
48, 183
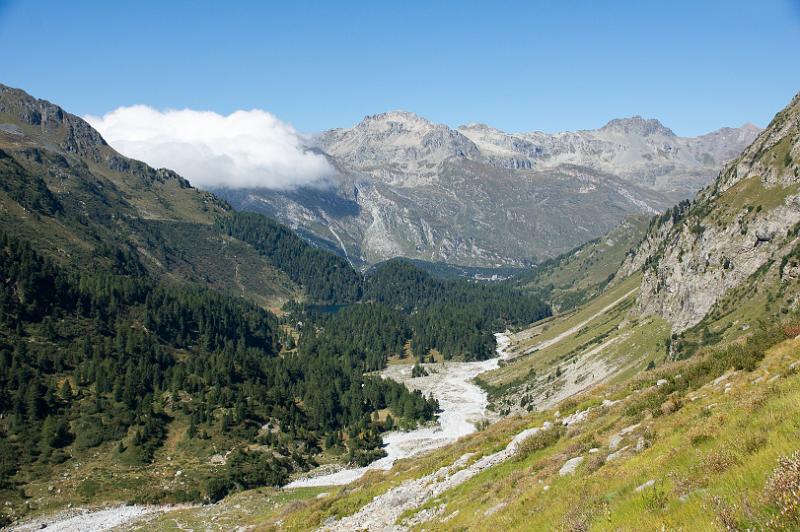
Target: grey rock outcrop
745, 220
478, 196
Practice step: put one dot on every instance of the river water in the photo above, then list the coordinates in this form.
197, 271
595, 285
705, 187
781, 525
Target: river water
462, 405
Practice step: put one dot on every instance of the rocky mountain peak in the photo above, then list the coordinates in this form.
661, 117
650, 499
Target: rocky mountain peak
476, 126
637, 125
394, 119
400, 138
73, 134
749, 126
739, 226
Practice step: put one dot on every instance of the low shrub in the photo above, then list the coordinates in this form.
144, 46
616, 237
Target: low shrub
754, 443
595, 462
655, 498
719, 460
782, 491
541, 440
726, 514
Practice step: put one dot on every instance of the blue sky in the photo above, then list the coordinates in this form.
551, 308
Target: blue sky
518, 66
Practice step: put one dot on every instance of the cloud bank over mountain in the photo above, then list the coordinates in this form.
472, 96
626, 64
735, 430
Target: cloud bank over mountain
244, 149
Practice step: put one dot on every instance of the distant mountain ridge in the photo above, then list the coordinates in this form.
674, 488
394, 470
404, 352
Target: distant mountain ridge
478, 196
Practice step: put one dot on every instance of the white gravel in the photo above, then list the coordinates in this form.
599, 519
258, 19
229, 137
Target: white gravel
463, 404
90, 520
382, 512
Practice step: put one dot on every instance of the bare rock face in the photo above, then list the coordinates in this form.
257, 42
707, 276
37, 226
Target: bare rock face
76, 135
773, 157
654, 241
477, 196
399, 148
641, 151
745, 219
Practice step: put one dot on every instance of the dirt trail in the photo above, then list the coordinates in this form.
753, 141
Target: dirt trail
572, 330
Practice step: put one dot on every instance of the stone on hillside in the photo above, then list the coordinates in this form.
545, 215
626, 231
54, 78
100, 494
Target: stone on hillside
618, 454
646, 485
570, 466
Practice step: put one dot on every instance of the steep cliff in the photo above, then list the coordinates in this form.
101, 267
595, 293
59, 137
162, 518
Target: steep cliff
745, 221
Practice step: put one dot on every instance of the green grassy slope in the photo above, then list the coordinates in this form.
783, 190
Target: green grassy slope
574, 277
702, 451
68, 192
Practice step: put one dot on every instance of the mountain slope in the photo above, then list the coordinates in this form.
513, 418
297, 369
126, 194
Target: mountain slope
80, 201
746, 221
481, 197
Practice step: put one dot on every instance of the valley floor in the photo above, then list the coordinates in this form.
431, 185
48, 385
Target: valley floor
462, 403
632, 449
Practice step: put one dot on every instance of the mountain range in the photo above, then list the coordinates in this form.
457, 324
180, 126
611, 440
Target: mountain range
158, 346
477, 196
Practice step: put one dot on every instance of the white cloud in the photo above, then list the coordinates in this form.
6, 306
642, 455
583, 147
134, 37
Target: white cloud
243, 149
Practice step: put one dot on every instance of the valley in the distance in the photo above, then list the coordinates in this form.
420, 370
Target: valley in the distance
469, 329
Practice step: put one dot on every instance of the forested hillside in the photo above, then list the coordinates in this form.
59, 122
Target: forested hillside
136, 331
327, 278
94, 358
453, 317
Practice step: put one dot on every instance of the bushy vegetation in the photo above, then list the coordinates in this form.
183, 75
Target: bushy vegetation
783, 492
